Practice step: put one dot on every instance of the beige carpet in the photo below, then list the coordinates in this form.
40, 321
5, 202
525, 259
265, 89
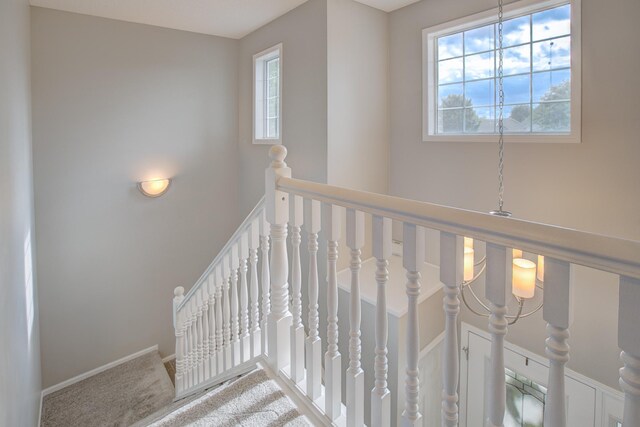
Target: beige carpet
119, 396
252, 400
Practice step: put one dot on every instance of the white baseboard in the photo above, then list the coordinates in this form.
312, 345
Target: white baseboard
95, 371
169, 358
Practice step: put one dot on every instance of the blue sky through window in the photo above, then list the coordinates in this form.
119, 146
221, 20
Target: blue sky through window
536, 68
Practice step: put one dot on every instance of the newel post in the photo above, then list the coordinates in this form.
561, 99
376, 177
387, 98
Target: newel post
277, 214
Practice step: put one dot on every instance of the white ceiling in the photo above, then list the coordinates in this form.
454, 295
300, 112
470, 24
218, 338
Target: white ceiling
226, 18
387, 5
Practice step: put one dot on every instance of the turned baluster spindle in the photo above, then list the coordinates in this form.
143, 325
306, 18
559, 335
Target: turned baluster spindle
277, 214
220, 343
254, 243
211, 290
235, 318
245, 337
265, 280
226, 312
205, 332
312, 212
178, 325
380, 394
498, 281
412, 260
355, 374
194, 340
186, 311
332, 226
558, 312
629, 342
451, 275
297, 329
199, 332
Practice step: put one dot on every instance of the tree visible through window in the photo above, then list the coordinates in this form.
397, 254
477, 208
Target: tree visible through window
537, 76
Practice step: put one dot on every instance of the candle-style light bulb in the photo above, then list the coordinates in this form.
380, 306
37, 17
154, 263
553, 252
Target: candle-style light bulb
524, 278
541, 268
468, 264
517, 253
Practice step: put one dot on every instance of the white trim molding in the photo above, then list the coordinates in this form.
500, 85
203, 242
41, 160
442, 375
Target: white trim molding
512, 10
97, 370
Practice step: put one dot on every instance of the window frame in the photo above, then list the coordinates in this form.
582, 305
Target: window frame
512, 10
260, 84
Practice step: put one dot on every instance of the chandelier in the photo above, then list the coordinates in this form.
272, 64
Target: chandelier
527, 276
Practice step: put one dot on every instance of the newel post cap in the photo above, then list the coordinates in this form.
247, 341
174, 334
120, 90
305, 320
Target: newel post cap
178, 292
277, 154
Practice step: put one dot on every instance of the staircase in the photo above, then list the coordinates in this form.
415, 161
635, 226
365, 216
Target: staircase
246, 309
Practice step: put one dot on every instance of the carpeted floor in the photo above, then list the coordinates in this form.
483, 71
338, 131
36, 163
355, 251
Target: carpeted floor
252, 400
119, 396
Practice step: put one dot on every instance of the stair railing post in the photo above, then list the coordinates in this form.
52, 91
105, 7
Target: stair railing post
312, 212
412, 260
297, 329
205, 332
254, 244
219, 284
213, 356
226, 311
380, 394
265, 280
235, 313
245, 336
629, 342
498, 275
451, 257
178, 325
355, 374
277, 214
558, 312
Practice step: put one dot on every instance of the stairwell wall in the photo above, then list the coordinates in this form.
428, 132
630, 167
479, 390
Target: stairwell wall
19, 324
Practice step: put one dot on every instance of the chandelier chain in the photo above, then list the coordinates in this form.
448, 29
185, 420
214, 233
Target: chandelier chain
500, 110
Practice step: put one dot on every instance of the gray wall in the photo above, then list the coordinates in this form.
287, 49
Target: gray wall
303, 33
591, 186
115, 103
19, 332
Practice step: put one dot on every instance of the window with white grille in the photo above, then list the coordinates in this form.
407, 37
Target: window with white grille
267, 93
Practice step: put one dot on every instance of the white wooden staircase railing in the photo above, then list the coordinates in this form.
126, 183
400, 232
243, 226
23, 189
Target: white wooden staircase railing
221, 328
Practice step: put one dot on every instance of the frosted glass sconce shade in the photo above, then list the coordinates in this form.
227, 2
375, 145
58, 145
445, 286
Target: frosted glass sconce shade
155, 187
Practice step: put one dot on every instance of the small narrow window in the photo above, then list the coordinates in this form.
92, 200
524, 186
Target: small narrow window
267, 95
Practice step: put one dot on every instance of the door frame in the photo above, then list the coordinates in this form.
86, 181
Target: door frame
608, 401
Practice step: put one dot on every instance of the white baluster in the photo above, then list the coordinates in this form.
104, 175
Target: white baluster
194, 341
629, 342
254, 243
312, 209
235, 319
226, 312
558, 312
186, 311
178, 324
332, 225
220, 343
245, 338
380, 394
297, 329
412, 260
277, 211
205, 332
265, 279
355, 374
451, 266
199, 359
213, 355
498, 275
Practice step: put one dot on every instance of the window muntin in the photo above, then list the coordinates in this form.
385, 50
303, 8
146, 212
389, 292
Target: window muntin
267, 96
541, 41
536, 70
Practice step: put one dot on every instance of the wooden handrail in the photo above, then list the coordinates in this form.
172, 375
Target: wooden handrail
615, 255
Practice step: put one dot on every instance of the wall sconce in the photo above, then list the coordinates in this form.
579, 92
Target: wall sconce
155, 187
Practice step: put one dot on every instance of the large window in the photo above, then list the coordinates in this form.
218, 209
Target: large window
267, 93
540, 75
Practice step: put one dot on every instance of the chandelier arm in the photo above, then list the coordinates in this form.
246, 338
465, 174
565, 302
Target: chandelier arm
464, 300
537, 309
478, 299
484, 258
518, 315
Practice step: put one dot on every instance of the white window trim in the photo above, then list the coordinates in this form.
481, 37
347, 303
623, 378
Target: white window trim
258, 56
522, 7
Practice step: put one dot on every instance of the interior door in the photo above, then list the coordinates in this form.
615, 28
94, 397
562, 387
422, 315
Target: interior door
526, 390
